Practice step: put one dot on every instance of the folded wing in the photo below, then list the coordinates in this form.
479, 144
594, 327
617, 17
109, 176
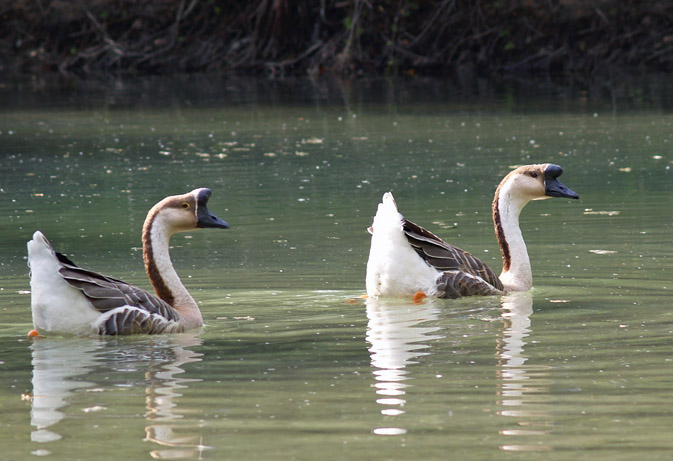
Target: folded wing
464, 274
132, 309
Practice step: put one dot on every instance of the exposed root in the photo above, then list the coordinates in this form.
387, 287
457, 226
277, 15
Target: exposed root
335, 36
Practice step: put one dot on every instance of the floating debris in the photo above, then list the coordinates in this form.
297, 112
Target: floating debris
602, 252
94, 408
312, 141
444, 225
389, 431
625, 169
601, 212
488, 319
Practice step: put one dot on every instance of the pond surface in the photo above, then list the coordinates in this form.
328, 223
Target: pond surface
292, 364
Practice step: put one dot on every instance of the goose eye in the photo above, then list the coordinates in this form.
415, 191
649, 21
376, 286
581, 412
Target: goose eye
185, 205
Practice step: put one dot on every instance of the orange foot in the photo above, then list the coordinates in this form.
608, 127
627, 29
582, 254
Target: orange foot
33, 334
418, 297
356, 300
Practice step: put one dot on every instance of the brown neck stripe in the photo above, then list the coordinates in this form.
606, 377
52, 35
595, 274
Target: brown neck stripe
500, 233
160, 287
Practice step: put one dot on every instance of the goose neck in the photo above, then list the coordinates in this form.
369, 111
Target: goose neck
516, 270
162, 274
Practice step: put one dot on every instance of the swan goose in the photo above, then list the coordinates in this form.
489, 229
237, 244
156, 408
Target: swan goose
405, 259
67, 299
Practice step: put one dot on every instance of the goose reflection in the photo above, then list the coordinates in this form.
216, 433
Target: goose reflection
62, 366
398, 334
161, 404
521, 383
58, 368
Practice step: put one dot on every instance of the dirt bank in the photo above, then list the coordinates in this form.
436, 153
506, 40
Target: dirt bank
277, 37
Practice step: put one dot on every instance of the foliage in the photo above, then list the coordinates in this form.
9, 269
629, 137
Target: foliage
328, 36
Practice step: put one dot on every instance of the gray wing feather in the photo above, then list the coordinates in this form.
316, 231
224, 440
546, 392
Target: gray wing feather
131, 320
455, 284
107, 293
462, 270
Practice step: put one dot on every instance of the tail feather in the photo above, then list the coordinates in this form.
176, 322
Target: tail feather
39, 248
388, 203
387, 217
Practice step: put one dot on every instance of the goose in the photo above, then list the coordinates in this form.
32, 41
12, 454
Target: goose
68, 299
406, 259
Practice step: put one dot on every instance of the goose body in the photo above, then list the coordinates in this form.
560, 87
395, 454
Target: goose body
405, 258
67, 299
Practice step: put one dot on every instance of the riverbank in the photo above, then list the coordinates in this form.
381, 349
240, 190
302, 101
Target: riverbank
566, 40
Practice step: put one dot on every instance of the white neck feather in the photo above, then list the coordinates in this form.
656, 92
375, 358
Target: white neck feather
183, 303
518, 276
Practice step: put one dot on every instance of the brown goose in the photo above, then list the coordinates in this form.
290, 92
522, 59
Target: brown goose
67, 299
404, 258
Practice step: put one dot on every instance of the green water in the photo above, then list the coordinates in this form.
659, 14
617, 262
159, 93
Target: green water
289, 365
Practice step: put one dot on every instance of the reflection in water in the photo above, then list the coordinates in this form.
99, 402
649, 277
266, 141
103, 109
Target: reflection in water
56, 368
520, 382
397, 337
61, 366
161, 403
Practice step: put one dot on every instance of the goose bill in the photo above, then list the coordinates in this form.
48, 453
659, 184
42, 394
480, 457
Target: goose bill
206, 219
555, 188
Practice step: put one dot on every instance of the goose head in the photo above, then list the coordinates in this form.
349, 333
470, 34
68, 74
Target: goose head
537, 182
526, 183
552, 186
186, 212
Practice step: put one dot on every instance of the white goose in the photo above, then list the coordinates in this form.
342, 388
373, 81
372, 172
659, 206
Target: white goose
405, 259
66, 299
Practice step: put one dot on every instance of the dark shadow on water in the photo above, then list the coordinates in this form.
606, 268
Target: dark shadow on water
460, 92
